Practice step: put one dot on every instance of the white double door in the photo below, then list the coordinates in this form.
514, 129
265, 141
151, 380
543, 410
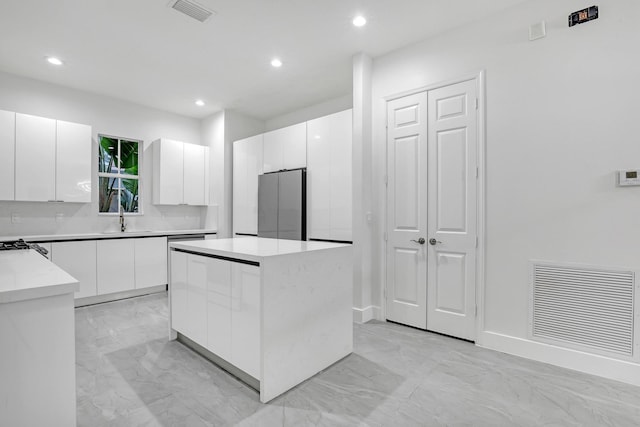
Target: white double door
432, 209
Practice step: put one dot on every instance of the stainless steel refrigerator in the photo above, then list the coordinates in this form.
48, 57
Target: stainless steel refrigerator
282, 205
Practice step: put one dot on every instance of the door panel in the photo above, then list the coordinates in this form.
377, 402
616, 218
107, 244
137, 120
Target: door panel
406, 276
406, 182
290, 205
7, 154
406, 298
451, 189
268, 206
35, 166
451, 203
449, 296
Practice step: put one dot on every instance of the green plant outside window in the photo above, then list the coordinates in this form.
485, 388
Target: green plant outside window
118, 179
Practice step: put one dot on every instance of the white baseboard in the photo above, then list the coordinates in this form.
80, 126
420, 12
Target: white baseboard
619, 370
363, 315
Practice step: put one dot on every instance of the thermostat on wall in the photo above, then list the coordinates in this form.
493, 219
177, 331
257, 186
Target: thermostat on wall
628, 178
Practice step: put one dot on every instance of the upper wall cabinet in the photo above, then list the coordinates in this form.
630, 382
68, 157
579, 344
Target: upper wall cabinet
50, 160
73, 162
7, 154
329, 198
285, 148
247, 165
35, 158
180, 173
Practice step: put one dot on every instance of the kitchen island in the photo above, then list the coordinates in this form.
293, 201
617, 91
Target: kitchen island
271, 312
37, 336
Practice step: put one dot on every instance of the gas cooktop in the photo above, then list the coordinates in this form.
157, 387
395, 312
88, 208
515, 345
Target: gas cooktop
19, 244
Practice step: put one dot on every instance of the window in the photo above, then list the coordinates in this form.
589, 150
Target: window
118, 179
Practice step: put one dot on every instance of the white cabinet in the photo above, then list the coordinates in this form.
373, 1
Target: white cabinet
245, 318
329, 197
7, 154
52, 160
180, 173
285, 148
79, 260
197, 298
73, 162
115, 266
168, 172
178, 292
196, 176
219, 308
150, 261
247, 165
35, 158
216, 303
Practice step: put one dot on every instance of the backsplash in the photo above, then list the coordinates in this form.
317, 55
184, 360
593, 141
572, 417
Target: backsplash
34, 218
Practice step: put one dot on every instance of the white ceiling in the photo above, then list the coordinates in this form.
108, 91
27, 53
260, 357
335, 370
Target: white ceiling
145, 52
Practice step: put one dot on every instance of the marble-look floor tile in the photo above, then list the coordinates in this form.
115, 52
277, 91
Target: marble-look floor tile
129, 374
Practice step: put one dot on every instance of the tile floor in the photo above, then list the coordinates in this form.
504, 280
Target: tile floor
130, 374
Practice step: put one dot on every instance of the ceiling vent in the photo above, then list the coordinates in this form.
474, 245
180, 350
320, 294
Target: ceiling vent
192, 9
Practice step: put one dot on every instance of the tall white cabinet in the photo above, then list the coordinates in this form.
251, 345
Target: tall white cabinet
7, 154
285, 148
324, 147
180, 173
247, 165
329, 197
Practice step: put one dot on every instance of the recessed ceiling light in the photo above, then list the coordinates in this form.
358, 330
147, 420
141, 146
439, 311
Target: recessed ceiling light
53, 60
200, 103
359, 21
275, 62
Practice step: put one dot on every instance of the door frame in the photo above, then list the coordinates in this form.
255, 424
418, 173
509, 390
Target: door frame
480, 79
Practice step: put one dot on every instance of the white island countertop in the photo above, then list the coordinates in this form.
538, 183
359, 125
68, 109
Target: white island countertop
253, 248
25, 274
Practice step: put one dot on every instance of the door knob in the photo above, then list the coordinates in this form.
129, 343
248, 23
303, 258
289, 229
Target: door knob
433, 241
420, 240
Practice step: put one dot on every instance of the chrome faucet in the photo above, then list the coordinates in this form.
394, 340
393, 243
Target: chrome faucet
123, 226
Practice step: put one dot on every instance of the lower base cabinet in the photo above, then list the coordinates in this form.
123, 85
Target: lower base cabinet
115, 265
150, 261
79, 260
216, 303
245, 317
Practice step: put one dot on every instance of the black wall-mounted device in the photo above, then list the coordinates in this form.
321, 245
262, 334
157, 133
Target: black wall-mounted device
583, 16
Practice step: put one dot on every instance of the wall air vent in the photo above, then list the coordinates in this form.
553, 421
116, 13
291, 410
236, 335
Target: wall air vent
192, 9
583, 308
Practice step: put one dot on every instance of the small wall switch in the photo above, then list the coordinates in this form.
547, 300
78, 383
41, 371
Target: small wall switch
537, 31
628, 178
16, 218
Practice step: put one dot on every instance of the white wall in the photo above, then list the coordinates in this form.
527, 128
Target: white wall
363, 224
311, 112
236, 126
218, 132
106, 116
561, 115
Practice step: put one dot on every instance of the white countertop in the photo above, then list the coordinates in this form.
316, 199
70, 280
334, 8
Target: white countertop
25, 274
105, 235
253, 248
